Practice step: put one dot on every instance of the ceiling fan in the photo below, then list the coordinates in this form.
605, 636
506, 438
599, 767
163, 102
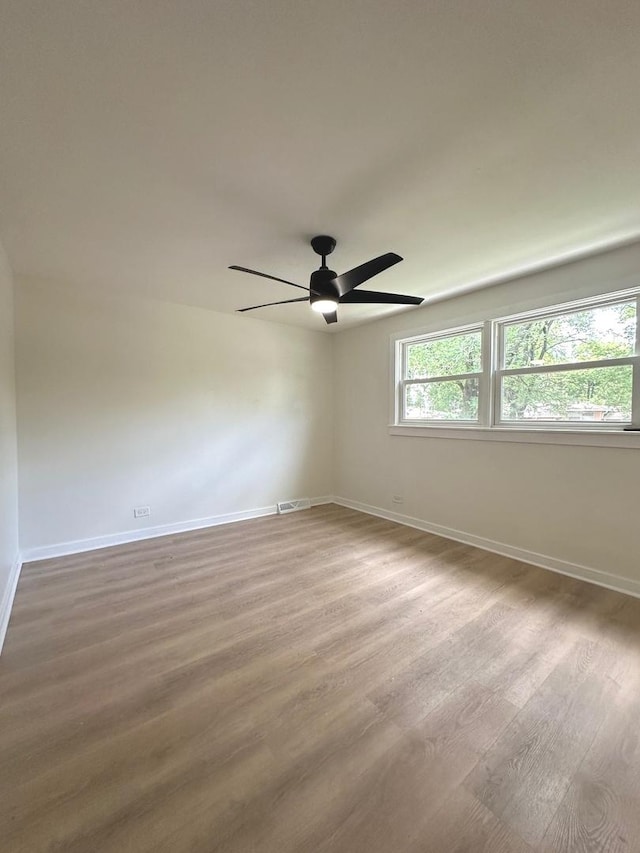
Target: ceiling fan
327, 289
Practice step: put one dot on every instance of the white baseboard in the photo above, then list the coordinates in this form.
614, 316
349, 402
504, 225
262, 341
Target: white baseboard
64, 549
543, 561
7, 599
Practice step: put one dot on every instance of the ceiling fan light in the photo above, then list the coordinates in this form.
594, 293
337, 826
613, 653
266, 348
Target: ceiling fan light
325, 306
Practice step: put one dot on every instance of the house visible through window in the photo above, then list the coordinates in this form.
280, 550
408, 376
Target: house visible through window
571, 366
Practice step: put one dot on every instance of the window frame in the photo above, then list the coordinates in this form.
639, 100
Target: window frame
490, 380
401, 382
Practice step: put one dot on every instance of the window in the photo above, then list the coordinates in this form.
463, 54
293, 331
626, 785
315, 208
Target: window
442, 377
570, 367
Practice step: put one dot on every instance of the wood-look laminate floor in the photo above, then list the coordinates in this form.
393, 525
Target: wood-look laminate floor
322, 681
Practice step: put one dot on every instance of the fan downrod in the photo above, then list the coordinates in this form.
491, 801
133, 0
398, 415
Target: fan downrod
323, 245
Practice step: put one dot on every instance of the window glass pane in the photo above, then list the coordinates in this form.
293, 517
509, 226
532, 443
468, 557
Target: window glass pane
448, 400
599, 394
589, 335
444, 356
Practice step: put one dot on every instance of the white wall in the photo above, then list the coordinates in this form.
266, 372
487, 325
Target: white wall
8, 448
130, 402
577, 504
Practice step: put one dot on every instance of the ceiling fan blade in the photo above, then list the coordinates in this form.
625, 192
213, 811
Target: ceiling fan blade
264, 275
371, 297
348, 280
331, 318
267, 304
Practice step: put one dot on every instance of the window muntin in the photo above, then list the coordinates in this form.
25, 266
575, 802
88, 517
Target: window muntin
441, 377
575, 366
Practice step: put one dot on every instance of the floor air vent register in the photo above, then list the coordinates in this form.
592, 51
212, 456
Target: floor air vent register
293, 506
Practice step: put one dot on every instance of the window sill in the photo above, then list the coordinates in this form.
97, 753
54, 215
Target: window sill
537, 435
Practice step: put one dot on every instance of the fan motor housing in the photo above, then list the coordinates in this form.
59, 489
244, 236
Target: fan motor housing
322, 283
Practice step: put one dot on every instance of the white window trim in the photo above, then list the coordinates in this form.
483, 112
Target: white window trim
537, 435
489, 427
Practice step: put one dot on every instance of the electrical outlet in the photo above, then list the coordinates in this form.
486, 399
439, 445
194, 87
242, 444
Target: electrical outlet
397, 499
141, 512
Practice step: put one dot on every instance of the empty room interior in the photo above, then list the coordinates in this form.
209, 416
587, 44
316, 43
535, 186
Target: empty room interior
319, 426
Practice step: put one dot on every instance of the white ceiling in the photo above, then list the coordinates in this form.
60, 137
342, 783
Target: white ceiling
145, 146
